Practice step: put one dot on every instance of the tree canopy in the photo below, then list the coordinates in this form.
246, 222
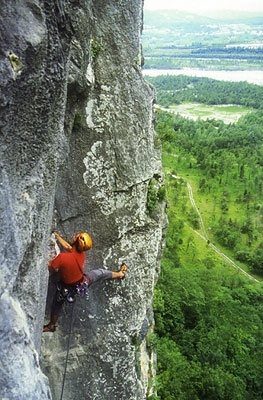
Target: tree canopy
209, 320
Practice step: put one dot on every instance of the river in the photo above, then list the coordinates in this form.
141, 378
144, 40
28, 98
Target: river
255, 77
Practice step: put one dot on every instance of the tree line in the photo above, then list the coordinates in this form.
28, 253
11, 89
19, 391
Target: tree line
181, 88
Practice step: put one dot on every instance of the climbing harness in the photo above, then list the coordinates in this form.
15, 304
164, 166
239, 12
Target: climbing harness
68, 292
82, 287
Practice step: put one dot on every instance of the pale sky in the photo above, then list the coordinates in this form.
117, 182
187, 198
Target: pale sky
200, 5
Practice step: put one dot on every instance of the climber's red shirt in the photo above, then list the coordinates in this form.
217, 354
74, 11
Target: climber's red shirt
70, 266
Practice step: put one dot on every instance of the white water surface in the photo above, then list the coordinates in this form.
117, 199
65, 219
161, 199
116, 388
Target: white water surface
255, 77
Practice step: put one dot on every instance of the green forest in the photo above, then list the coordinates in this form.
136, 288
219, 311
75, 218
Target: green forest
178, 89
208, 311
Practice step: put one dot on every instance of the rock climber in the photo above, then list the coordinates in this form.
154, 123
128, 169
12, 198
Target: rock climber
70, 265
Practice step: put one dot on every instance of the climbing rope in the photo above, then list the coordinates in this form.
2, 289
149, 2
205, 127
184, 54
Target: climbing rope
68, 344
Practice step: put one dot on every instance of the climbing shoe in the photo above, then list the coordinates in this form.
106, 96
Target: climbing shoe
124, 269
49, 328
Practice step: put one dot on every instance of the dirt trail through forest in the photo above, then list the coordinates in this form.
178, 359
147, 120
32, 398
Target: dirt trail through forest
204, 236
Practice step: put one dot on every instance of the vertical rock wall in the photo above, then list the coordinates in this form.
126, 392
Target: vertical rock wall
77, 152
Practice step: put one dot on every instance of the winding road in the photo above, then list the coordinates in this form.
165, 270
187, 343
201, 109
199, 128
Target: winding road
204, 236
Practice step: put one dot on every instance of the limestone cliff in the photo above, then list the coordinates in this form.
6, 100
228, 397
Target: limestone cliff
78, 152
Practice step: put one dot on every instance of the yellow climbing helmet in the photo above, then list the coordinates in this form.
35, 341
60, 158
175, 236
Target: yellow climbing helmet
84, 241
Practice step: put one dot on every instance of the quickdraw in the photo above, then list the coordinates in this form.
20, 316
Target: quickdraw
68, 293
82, 288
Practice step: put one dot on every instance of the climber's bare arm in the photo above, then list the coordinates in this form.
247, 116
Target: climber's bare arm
63, 242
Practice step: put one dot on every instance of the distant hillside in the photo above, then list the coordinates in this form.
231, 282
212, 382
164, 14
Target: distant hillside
159, 17
171, 19
177, 39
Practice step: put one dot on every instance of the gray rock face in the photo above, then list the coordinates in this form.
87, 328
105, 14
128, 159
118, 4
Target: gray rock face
78, 152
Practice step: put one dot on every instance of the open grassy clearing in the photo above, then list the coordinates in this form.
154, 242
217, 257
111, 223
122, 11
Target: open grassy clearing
228, 113
195, 249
